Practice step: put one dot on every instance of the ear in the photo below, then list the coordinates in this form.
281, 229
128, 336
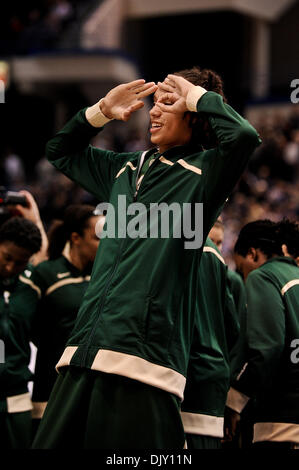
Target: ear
75, 237
252, 252
191, 118
297, 260
284, 249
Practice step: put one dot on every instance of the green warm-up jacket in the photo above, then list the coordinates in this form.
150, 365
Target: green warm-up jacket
18, 301
270, 374
137, 315
216, 331
61, 287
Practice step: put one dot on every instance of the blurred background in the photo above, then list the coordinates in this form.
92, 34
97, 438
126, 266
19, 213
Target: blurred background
58, 56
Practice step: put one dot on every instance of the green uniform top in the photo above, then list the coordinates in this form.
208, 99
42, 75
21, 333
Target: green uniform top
62, 288
271, 373
216, 331
237, 288
238, 291
133, 319
18, 300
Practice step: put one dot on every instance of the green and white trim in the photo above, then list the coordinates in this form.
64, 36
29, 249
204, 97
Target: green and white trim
278, 432
206, 425
19, 403
113, 362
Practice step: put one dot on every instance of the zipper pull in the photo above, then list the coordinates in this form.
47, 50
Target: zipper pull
6, 295
135, 195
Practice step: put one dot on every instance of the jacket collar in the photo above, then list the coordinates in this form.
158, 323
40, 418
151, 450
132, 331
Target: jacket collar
283, 259
177, 152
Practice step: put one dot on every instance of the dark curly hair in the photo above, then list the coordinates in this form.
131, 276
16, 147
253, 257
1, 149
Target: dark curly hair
23, 233
260, 234
288, 234
211, 81
208, 79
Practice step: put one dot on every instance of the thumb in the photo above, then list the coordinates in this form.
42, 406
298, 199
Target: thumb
134, 107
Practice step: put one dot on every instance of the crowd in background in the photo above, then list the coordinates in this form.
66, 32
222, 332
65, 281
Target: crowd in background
37, 26
267, 189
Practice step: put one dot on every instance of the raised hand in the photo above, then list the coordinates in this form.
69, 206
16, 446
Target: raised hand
125, 99
31, 211
174, 92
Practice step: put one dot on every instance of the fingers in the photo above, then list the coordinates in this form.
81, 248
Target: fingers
19, 209
172, 79
164, 87
148, 91
28, 196
163, 107
141, 87
135, 83
167, 97
134, 107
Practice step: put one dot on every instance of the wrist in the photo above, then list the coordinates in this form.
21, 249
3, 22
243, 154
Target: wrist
104, 110
95, 114
194, 94
39, 223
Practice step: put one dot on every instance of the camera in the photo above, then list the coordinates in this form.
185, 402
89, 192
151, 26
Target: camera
9, 198
12, 198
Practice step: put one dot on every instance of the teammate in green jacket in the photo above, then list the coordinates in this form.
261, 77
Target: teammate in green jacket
236, 284
288, 233
61, 282
270, 374
126, 359
216, 332
237, 288
19, 240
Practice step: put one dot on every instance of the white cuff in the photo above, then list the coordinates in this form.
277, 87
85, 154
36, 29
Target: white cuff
236, 400
193, 96
95, 117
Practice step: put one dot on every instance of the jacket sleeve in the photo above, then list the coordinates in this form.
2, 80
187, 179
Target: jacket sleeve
38, 283
231, 320
92, 168
236, 141
237, 354
265, 338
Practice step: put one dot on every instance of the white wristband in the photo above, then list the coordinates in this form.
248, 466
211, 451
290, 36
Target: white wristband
193, 96
236, 400
95, 117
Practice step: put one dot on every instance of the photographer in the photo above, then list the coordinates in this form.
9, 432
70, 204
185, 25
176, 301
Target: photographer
21, 237
23, 204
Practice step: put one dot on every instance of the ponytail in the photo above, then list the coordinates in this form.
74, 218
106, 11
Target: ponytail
57, 237
76, 218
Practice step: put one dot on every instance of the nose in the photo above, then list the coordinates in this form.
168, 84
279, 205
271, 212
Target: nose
9, 267
155, 111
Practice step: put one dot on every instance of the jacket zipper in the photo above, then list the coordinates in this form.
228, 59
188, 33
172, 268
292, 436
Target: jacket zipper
138, 172
140, 164
92, 333
6, 295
